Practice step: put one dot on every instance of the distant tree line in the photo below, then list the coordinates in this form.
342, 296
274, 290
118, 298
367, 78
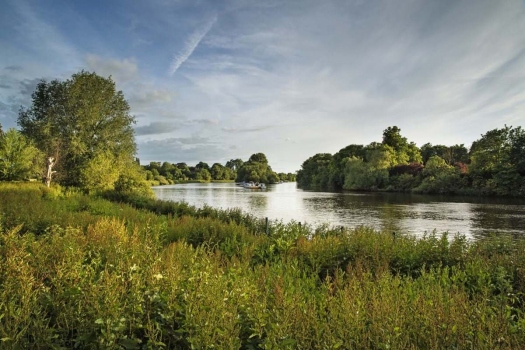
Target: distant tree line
493, 165
255, 169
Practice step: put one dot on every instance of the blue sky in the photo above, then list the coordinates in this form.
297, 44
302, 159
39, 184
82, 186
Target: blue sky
215, 80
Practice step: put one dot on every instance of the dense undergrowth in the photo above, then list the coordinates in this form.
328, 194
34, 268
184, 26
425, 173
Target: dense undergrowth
84, 272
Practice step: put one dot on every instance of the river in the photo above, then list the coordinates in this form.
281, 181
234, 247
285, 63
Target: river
414, 214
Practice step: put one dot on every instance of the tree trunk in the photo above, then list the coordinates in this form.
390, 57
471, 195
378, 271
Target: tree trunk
49, 174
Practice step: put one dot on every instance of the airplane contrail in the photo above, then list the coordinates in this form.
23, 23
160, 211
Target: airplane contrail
190, 46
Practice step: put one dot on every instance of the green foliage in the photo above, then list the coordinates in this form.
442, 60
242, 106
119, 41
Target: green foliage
315, 172
453, 154
220, 172
366, 176
344, 170
77, 120
234, 164
494, 166
101, 172
497, 162
256, 169
131, 181
202, 174
106, 275
404, 152
287, 177
436, 166
19, 159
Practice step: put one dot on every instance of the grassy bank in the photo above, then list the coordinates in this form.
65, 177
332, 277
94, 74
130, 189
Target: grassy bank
126, 272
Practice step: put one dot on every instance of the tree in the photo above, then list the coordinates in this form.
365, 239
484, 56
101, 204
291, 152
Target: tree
101, 172
486, 153
440, 177
392, 137
405, 152
219, 172
166, 168
337, 166
365, 176
202, 174
19, 159
256, 169
258, 158
315, 172
202, 165
77, 120
517, 149
453, 154
497, 162
234, 164
185, 171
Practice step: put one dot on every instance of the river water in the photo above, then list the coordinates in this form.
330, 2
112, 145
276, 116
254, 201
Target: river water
405, 213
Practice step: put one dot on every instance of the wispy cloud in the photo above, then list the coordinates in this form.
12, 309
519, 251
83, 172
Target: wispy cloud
242, 130
286, 78
13, 68
121, 70
190, 46
156, 128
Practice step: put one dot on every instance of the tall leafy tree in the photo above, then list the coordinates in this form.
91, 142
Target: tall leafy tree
220, 172
258, 158
77, 120
487, 152
497, 165
405, 152
234, 164
517, 149
257, 169
338, 163
202, 165
453, 154
315, 172
392, 137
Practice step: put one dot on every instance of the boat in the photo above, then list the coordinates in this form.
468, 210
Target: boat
254, 185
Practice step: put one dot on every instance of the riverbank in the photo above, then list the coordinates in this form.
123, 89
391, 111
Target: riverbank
134, 272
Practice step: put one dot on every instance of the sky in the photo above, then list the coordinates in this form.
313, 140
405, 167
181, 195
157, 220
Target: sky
214, 80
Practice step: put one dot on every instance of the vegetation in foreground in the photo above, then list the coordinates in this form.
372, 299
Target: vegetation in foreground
79, 271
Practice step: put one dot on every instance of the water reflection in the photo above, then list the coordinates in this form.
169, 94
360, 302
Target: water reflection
407, 213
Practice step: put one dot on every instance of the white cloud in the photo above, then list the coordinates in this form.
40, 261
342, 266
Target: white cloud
190, 46
156, 128
321, 73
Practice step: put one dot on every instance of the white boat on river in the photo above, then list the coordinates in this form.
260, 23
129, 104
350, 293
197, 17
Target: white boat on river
254, 185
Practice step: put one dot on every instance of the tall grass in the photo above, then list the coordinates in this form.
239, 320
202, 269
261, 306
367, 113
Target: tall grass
82, 272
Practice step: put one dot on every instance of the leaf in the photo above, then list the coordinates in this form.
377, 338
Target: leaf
338, 345
288, 342
129, 343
